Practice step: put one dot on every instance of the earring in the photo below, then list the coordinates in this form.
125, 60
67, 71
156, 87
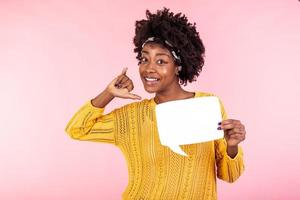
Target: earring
179, 68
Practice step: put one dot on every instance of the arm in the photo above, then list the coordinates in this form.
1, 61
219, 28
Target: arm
228, 169
229, 156
89, 123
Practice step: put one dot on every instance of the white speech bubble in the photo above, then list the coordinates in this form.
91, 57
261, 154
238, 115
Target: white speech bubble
188, 121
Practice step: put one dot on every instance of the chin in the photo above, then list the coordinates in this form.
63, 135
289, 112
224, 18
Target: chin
150, 90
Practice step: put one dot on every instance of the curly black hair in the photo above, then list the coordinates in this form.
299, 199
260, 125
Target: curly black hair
183, 35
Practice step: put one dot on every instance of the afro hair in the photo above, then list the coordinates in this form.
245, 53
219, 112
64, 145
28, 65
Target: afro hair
183, 35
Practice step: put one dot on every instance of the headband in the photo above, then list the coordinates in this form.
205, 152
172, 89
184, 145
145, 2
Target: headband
173, 50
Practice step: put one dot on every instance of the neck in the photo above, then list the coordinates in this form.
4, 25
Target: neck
175, 93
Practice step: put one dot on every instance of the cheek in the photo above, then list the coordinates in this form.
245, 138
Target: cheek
164, 71
167, 72
140, 69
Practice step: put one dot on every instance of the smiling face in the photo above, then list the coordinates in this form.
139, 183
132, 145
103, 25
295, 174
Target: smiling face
157, 69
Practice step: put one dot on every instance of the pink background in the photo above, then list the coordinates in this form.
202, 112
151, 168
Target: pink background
55, 55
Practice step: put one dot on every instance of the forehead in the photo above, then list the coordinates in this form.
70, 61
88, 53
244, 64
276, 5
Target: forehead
155, 48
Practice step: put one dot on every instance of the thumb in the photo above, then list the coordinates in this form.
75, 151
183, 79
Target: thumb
115, 80
124, 70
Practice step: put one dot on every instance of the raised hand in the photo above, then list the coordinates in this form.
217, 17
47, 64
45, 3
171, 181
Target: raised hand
121, 87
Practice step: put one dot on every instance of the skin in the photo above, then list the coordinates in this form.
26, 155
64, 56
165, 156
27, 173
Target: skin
156, 61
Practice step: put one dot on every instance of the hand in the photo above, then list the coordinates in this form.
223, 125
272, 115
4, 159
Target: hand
121, 87
234, 131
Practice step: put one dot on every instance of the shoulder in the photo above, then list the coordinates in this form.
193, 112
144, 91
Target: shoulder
135, 105
207, 94
204, 94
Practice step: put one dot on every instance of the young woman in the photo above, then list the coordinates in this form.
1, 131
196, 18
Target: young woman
170, 54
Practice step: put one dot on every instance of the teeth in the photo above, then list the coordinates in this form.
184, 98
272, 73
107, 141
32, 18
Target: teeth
151, 79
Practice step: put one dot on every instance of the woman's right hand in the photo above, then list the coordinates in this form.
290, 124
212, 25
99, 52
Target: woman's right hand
121, 87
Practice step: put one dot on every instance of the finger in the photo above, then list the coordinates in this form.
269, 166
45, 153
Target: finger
230, 137
229, 133
226, 121
238, 129
230, 121
121, 76
121, 79
232, 126
124, 70
227, 126
128, 85
124, 80
238, 137
133, 96
114, 81
124, 84
235, 131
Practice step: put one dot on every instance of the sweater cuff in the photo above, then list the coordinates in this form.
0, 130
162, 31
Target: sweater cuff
92, 107
237, 156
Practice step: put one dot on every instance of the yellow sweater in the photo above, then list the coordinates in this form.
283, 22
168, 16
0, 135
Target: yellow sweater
155, 172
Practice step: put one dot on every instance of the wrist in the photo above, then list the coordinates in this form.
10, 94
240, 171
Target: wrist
102, 99
232, 151
106, 93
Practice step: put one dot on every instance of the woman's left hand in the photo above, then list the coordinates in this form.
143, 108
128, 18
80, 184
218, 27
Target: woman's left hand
234, 131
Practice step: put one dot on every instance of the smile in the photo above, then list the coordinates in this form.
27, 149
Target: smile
151, 80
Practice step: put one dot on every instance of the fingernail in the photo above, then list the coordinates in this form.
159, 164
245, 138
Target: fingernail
219, 123
219, 128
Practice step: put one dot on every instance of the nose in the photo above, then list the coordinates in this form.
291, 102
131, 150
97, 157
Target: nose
150, 67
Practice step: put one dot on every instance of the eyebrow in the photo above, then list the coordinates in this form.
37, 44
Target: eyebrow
158, 54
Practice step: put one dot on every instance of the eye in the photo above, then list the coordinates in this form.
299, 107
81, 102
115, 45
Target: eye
161, 62
142, 60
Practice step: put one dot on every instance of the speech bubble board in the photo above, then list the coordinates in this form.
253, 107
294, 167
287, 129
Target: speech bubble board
188, 121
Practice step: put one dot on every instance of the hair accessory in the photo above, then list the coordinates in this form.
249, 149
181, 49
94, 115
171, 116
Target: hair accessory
150, 39
173, 50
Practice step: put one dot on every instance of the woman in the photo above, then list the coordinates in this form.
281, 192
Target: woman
170, 53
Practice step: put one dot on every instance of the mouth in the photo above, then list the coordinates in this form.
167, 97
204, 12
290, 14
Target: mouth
151, 80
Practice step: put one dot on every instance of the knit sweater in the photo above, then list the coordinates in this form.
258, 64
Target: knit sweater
156, 172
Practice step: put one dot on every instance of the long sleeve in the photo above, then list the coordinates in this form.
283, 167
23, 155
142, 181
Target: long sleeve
228, 169
89, 123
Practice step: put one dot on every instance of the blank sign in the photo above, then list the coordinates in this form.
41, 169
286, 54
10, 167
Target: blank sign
188, 121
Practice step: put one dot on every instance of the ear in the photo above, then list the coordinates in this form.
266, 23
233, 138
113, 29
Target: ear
177, 70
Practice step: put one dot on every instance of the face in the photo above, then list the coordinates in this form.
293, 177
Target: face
157, 68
